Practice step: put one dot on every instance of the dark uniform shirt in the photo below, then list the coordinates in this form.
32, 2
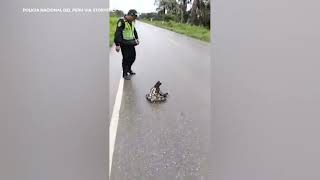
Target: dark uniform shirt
118, 38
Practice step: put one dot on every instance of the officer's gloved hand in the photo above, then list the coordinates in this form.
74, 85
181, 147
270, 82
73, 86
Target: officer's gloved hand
117, 48
137, 41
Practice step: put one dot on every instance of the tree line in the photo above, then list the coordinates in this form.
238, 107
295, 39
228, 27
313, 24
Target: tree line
117, 13
176, 10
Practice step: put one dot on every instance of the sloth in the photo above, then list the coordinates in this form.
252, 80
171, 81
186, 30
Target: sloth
156, 95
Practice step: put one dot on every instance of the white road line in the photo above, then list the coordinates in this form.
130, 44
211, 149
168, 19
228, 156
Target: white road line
114, 123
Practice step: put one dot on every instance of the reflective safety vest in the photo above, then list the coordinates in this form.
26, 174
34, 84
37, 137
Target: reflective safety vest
128, 31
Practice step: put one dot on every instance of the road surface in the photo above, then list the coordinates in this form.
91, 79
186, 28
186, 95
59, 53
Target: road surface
169, 140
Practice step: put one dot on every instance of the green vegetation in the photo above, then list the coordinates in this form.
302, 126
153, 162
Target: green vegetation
198, 32
113, 26
176, 10
117, 13
174, 16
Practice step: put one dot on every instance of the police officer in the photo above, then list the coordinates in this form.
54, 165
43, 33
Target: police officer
126, 38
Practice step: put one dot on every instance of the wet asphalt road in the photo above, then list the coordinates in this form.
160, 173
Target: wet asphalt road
169, 140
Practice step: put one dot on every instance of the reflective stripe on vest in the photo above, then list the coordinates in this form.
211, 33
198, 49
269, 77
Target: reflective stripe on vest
128, 32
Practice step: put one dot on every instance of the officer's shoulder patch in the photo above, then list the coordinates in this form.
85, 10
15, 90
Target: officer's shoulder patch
120, 22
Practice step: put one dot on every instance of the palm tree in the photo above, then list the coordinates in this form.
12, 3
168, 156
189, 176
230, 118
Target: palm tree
194, 11
183, 9
166, 6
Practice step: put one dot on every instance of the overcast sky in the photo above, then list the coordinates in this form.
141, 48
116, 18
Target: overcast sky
141, 6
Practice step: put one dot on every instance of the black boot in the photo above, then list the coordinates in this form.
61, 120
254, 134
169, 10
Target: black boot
126, 76
131, 72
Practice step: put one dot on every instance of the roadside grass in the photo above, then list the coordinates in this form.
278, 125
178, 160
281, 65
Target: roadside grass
197, 32
113, 26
